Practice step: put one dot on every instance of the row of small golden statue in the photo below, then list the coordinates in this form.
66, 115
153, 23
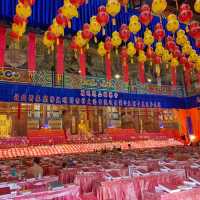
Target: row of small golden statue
83, 129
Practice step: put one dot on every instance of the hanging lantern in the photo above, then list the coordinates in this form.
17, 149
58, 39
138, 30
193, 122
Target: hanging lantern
194, 30
2, 45
185, 14
159, 50
170, 44
172, 23
116, 40
77, 3
148, 37
86, 34
124, 32
82, 63
80, 41
197, 6
159, 32
134, 25
113, 8
108, 44
61, 19
23, 11
19, 20
102, 17
101, 49
27, 2
131, 51
145, 14
159, 6
139, 45
95, 27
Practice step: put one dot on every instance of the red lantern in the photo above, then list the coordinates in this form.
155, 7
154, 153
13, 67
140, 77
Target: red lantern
102, 16
150, 53
124, 53
176, 52
14, 36
124, 32
86, 34
194, 30
51, 36
182, 60
159, 32
146, 17
197, 43
170, 45
28, 2
108, 44
19, 20
185, 13
77, 3
73, 44
61, 20
139, 45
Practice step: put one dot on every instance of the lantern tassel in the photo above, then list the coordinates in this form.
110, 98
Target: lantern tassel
141, 73
82, 64
126, 73
173, 75
108, 67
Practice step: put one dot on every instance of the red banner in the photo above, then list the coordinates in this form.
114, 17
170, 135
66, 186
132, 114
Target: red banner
60, 58
2, 45
82, 63
32, 52
141, 73
173, 75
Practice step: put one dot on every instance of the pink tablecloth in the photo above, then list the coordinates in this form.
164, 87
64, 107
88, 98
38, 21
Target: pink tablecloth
68, 176
86, 180
193, 194
132, 188
71, 192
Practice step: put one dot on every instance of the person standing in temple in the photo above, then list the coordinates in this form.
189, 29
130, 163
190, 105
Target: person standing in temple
36, 170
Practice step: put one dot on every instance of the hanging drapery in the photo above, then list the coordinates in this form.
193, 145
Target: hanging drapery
31, 53
2, 45
82, 63
60, 58
108, 67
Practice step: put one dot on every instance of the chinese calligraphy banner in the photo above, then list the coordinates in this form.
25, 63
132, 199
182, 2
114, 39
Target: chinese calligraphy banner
10, 92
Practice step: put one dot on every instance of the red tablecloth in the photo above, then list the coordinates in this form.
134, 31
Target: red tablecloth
71, 192
193, 194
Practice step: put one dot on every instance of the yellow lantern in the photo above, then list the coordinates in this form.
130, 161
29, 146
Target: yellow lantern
113, 8
116, 40
101, 50
148, 37
174, 62
193, 56
48, 43
197, 6
23, 11
131, 50
197, 63
69, 10
159, 50
142, 57
80, 41
186, 49
95, 27
57, 29
172, 23
134, 25
181, 39
159, 6
20, 30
